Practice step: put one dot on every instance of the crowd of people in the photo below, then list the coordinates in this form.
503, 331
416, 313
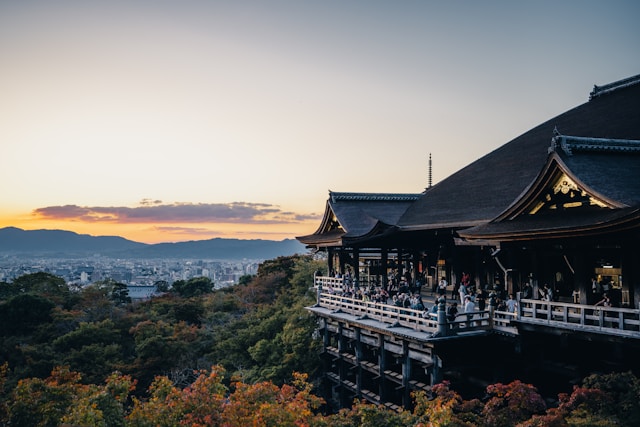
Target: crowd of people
402, 291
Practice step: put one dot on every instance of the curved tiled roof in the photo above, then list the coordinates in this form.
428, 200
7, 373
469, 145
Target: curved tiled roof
482, 190
359, 215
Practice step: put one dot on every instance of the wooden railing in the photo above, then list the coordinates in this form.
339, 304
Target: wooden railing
392, 315
621, 321
611, 320
335, 284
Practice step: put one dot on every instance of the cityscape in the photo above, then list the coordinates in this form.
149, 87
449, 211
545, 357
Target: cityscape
140, 275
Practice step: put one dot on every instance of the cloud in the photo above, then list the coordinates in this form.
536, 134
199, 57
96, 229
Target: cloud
209, 234
155, 211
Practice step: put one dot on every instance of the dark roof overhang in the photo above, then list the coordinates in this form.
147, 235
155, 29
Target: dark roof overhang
538, 227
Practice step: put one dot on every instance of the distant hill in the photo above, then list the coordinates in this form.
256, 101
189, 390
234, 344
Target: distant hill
60, 243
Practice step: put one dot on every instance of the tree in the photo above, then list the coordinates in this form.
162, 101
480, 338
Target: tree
43, 403
602, 400
23, 313
199, 404
161, 285
95, 349
446, 408
511, 404
101, 406
192, 287
46, 285
120, 293
264, 404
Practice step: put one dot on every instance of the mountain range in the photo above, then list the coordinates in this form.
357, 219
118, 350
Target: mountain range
59, 243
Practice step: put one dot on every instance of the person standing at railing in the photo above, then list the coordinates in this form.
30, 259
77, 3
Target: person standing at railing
464, 293
512, 304
481, 299
546, 294
452, 312
605, 301
469, 309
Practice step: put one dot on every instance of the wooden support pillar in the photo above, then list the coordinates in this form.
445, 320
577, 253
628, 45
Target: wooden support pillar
341, 368
356, 267
382, 366
416, 270
406, 375
535, 269
581, 279
436, 375
358, 363
384, 265
330, 255
326, 363
631, 272
325, 333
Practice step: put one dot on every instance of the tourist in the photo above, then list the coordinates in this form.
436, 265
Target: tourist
452, 312
512, 304
462, 291
605, 301
442, 286
469, 308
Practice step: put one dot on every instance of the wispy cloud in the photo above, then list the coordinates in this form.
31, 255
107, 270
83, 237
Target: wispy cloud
197, 232
155, 211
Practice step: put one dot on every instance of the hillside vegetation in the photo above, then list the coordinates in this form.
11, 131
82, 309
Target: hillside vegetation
239, 356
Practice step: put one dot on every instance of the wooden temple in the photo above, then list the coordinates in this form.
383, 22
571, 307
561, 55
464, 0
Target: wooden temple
558, 206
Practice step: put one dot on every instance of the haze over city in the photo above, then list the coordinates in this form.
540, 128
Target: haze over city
165, 121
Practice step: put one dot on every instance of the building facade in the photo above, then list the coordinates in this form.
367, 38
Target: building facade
557, 208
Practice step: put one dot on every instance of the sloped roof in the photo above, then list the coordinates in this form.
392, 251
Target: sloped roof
610, 167
589, 186
358, 216
482, 190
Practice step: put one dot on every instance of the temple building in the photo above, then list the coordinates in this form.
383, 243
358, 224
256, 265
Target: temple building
556, 208
559, 204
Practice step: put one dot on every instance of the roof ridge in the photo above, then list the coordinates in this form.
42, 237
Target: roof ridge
610, 87
389, 197
571, 144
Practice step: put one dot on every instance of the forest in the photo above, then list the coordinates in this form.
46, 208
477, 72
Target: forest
239, 356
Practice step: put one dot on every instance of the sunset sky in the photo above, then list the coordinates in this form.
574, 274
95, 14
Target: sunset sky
164, 121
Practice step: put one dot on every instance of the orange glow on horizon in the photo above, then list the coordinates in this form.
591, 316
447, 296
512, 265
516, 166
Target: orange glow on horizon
152, 233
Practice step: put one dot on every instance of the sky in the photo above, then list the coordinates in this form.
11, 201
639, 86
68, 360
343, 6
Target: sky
167, 121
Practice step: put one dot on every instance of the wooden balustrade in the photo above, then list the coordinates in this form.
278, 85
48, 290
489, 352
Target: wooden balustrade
615, 319
392, 315
620, 321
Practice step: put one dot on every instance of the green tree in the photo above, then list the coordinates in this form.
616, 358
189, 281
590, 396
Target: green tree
161, 285
193, 287
23, 313
95, 349
46, 285
120, 293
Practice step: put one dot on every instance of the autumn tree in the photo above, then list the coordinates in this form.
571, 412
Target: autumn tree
601, 400
509, 404
445, 407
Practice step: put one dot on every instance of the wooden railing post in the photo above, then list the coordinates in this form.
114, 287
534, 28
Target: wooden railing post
443, 326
